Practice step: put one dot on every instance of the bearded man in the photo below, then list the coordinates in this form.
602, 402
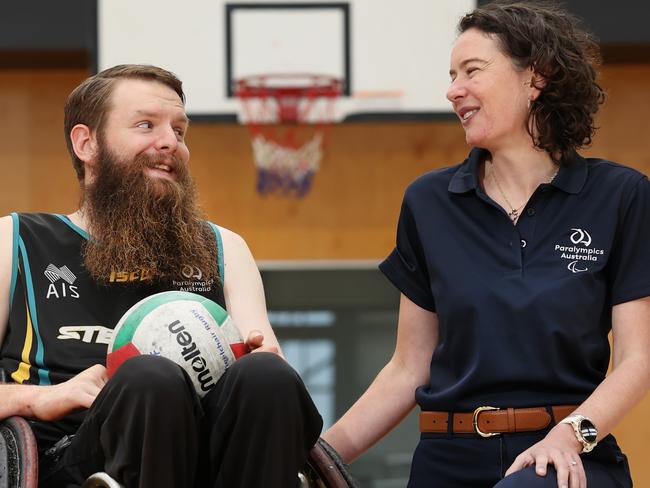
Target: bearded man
65, 280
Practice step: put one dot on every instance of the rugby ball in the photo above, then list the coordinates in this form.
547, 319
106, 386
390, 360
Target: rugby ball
191, 330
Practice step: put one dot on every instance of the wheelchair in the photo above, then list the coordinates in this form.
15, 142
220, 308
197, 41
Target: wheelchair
19, 461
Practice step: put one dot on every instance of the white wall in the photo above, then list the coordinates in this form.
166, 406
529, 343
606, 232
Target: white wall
399, 50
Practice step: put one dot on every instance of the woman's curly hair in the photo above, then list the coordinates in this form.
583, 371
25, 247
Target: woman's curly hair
552, 42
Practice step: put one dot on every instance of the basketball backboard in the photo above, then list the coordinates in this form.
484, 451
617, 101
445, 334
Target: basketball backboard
393, 57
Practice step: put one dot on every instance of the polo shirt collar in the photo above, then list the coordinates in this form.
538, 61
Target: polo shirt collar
466, 176
572, 176
570, 179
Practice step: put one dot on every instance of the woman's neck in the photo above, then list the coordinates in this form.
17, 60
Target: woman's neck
510, 178
522, 170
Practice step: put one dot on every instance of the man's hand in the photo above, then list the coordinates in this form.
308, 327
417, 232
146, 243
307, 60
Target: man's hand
55, 401
559, 448
255, 343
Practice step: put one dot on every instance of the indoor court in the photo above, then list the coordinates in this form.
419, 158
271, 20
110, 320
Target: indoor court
308, 121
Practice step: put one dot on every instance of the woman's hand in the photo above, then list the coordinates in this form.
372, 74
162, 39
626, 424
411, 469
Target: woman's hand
559, 448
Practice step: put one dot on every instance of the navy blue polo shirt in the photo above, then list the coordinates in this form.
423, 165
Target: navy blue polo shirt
524, 310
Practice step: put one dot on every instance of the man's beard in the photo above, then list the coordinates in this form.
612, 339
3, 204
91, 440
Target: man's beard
141, 224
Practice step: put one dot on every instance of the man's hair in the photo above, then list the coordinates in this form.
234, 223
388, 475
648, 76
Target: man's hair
88, 104
552, 42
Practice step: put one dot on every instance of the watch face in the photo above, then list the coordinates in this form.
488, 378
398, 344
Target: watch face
588, 431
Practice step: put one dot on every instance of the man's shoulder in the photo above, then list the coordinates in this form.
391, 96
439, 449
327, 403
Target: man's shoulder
32, 217
41, 219
230, 238
6, 261
37, 225
6, 228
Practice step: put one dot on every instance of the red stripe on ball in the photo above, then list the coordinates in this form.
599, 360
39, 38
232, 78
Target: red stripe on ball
115, 359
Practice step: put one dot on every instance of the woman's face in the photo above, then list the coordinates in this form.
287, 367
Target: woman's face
489, 93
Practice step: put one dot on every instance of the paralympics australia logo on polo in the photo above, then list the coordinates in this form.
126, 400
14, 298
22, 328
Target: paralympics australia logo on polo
579, 254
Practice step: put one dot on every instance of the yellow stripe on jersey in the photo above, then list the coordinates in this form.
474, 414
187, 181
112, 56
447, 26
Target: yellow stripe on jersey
22, 373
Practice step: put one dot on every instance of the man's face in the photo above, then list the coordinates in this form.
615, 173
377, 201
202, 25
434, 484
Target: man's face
139, 201
147, 120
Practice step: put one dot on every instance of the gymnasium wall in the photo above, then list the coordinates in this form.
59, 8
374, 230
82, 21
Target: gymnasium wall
352, 209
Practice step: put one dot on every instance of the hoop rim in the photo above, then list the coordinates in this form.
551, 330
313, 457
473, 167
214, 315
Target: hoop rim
313, 86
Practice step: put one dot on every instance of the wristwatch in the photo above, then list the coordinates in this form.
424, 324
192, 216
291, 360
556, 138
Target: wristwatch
584, 429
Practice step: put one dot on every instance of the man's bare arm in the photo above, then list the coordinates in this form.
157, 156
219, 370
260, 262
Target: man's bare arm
42, 402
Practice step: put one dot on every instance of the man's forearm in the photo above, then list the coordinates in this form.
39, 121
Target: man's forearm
18, 400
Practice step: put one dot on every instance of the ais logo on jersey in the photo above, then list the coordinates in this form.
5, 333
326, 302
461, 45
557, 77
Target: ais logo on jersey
61, 282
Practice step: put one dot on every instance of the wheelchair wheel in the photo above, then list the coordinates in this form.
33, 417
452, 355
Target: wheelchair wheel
325, 469
18, 454
101, 480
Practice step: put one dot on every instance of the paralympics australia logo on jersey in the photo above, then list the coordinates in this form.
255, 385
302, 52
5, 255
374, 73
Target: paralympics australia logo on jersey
193, 281
579, 253
61, 282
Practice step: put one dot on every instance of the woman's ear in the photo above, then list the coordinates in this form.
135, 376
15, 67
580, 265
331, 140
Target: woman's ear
537, 83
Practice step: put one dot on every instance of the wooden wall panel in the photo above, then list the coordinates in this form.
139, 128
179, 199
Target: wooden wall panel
352, 209
36, 173
624, 130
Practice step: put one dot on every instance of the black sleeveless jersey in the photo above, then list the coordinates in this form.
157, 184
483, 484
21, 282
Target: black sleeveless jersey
60, 319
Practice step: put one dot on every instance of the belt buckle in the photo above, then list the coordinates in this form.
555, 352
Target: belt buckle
475, 421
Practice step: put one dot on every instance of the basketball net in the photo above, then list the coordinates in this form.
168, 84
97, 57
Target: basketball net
274, 106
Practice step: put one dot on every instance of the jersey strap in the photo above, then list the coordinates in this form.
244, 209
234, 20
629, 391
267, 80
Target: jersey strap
217, 233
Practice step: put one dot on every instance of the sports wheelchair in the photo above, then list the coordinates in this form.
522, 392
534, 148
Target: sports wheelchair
19, 461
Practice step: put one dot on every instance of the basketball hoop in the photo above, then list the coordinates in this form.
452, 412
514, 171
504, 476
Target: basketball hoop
274, 106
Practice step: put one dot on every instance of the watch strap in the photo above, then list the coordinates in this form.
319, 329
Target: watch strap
575, 421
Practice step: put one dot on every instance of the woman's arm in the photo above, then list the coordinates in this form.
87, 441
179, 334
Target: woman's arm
624, 387
629, 380
391, 396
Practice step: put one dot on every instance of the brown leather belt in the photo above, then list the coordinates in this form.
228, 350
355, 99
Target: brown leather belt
491, 421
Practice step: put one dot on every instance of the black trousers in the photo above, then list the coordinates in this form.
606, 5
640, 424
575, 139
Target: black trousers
469, 461
148, 428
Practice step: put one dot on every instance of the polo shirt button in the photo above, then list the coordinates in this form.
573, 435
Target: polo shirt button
523, 243
530, 211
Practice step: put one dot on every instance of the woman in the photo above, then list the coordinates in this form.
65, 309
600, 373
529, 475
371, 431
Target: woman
513, 268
